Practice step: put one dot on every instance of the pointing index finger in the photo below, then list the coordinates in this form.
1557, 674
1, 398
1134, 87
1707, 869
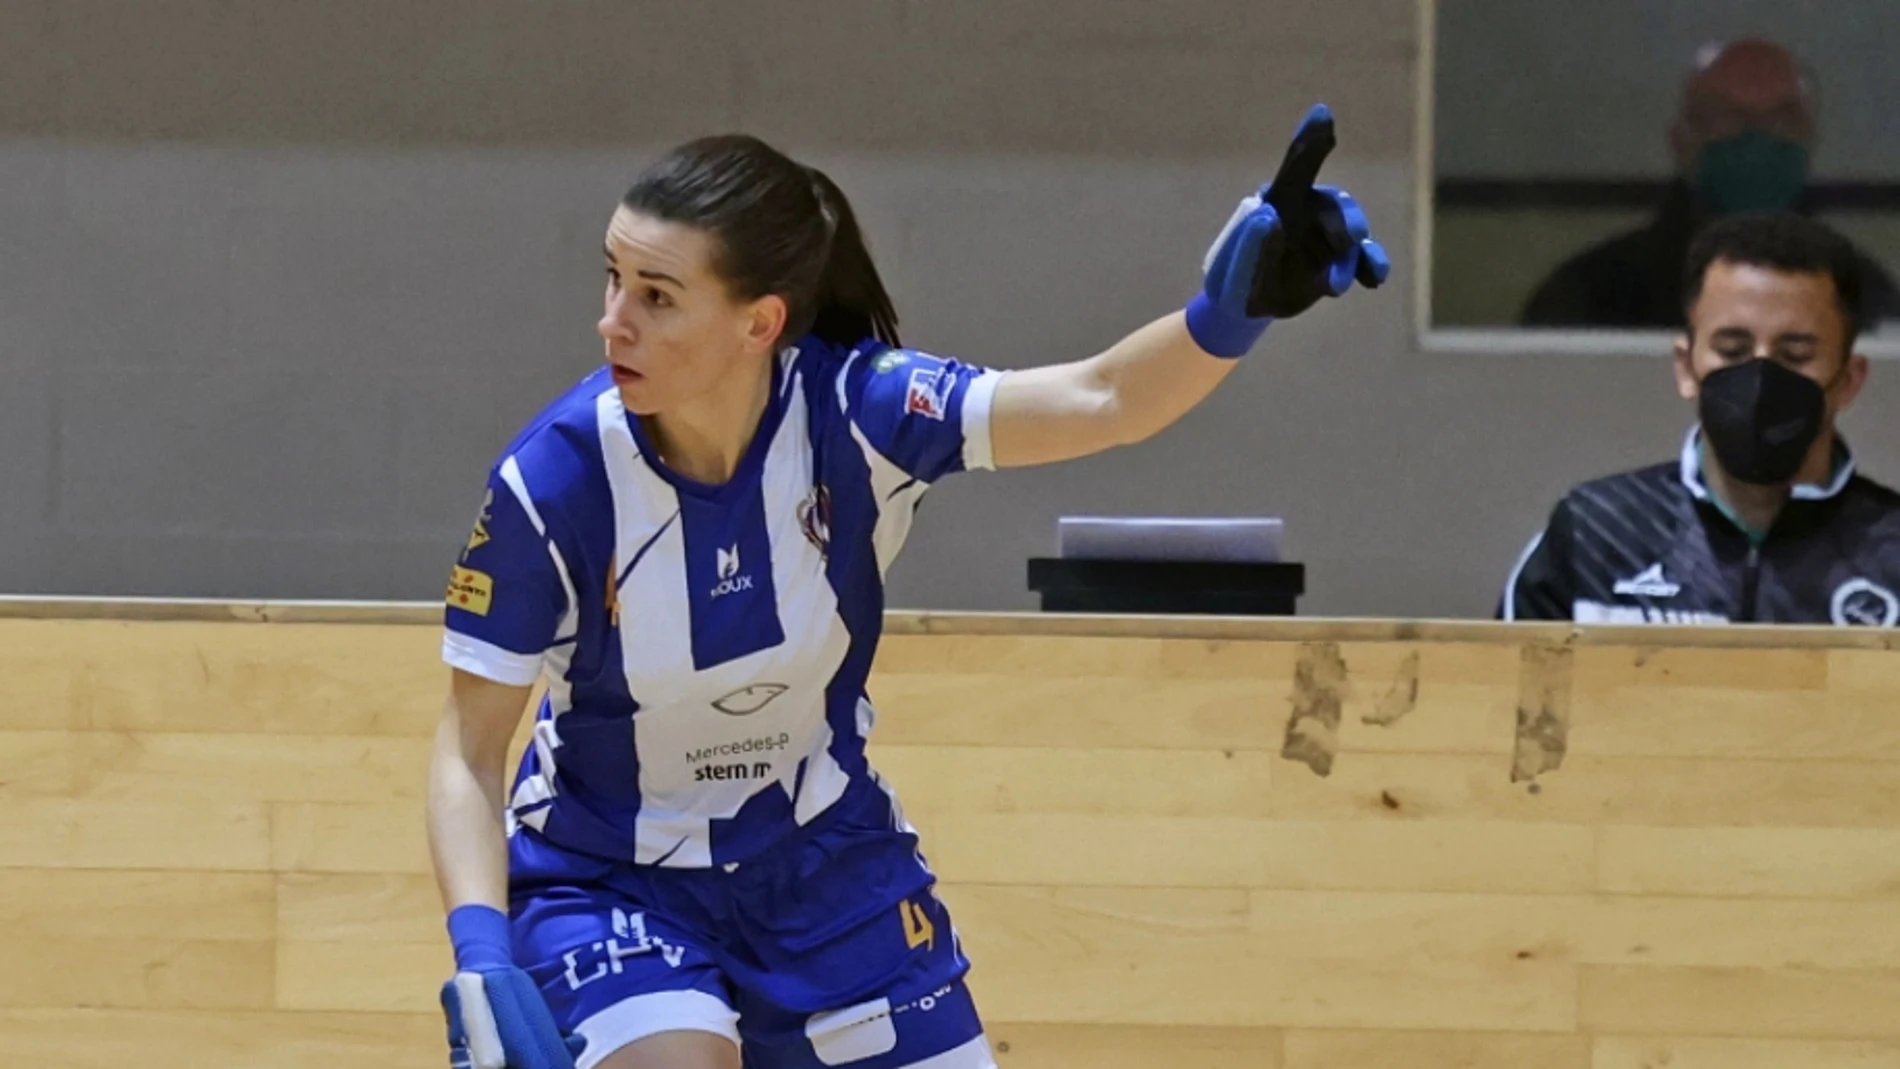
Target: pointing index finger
1308, 150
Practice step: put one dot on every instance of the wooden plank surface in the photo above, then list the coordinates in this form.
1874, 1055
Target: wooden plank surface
362, 837
1641, 791
214, 767
358, 908
1802, 1002
104, 904
1307, 1049
1441, 855
1798, 862
299, 679
1060, 1046
93, 1038
1214, 843
912, 623
64, 833
362, 976
1673, 1052
53, 970
952, 781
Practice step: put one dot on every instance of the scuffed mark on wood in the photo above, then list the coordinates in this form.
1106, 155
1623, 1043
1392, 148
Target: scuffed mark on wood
1401, 699
1319, 692
1543, 711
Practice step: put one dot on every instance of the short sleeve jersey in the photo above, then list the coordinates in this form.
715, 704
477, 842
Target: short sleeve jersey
705, 648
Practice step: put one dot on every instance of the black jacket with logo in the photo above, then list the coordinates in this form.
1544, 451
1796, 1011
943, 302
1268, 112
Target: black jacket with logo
1651, 546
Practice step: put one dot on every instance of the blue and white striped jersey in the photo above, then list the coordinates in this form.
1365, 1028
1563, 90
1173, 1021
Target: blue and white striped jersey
705, 647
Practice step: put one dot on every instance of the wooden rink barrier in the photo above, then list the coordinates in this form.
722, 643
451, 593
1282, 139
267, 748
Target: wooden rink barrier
1185, 843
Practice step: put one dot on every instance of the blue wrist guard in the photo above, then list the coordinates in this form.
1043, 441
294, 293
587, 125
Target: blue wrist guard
480, 935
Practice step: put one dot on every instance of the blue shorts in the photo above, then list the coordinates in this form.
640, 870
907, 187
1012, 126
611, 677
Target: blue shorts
830, 950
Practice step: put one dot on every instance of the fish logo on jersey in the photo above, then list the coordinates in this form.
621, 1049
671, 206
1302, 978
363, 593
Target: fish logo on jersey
928, 394
814, 518
749, 700
890, 361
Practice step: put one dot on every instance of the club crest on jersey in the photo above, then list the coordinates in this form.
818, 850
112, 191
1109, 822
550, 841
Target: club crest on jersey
928, 394
478, 537
814, 518
730, 581
1865, 603
890, 361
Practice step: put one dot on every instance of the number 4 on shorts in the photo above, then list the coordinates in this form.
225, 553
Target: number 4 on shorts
918, 931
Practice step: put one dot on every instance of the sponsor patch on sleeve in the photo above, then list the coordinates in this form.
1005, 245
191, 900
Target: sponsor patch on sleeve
470, 590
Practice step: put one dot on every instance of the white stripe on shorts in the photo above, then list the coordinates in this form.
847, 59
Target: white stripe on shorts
636, 1018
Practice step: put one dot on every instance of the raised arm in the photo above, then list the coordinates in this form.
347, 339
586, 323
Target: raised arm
1284, 248
1129, 393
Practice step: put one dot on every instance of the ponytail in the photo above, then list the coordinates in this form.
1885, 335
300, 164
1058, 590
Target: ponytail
781, 228
851, 303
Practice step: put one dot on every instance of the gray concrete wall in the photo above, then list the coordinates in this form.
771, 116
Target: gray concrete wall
277, 280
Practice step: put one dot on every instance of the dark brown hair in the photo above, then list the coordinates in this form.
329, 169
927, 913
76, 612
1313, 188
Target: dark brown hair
781, 228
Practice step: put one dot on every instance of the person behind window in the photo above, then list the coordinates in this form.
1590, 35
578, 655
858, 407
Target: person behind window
1742, 141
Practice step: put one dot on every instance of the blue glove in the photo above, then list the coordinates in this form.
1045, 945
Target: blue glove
496, 1015
1285, 247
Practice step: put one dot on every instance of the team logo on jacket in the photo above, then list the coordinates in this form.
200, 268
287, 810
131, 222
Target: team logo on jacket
1865, 603
814, 518
1648, 583
928, 394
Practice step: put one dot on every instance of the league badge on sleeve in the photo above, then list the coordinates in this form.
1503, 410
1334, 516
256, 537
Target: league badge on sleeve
929, 393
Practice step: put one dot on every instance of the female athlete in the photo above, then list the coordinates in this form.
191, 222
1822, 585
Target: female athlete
694, 867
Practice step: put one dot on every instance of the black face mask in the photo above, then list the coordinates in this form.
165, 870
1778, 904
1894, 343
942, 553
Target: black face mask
1761, 419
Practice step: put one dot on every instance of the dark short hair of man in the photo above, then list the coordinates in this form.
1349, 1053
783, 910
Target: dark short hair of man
1779, 241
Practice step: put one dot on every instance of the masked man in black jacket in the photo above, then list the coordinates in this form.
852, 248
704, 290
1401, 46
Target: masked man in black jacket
1763, 518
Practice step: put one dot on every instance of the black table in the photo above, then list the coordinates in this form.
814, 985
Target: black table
1173, 587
